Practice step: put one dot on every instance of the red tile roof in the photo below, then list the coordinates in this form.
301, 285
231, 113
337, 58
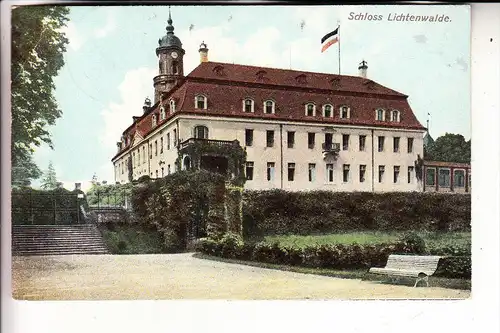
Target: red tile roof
226, 85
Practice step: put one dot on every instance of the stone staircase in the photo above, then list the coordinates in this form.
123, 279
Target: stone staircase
30, 240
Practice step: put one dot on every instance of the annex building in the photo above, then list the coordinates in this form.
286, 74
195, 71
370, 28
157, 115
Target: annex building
300, 130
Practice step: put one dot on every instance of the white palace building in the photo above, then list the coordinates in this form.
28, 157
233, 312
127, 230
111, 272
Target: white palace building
301, 130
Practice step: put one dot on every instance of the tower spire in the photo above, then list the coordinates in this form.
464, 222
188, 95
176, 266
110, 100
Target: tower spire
170, 27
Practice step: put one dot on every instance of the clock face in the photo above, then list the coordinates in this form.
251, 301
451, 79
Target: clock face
174, 55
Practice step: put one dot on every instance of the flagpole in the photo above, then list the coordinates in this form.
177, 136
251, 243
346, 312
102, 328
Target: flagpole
339, 44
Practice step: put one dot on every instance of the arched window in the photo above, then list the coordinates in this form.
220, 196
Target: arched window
310, 109
395, 116
269, 106
162, 113
187, 163
175, 67
201, 132
200, 102
153, 120
172, 106
327, 111
248, 105
345, 112
380, 114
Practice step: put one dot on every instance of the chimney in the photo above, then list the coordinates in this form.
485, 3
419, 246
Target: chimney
78, 186
147, 105
363, 67
119, 146
203, 52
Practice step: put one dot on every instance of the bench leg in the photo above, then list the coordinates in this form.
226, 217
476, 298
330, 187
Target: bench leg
425, 278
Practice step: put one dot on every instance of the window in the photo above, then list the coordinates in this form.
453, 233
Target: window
161, 145
328, 141
430, 178
138, 157
201, 132
168, 169
410, 174
345, 141
270, 171
269, 107
311, 140
310, 110
312, 172
156, 147
175, 137
395, 115
291, 172
380, 114
153, 120
143, 154
362, 142
396, 174
327, 111
248, 137
200, 102
344, 112
168, 141
150, 151
381, 170
269, 138
248, 105
396, 144
345, 169
162, 172
175, 67
172, 106
249, 170
329, 172
291, 139
156, 173
458, 178
381, 140
410, 145
162, 113
444, 177
362, 172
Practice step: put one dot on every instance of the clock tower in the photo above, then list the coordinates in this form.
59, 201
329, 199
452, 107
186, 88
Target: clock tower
170, 61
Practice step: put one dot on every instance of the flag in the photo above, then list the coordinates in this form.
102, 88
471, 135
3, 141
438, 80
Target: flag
329, 39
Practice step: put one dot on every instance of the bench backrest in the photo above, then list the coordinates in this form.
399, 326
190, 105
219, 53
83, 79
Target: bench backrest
425, 264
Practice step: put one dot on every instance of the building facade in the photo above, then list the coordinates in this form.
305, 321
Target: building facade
447, 177
301, 130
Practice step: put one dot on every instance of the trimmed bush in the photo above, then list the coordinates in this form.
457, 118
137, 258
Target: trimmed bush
455, 267
301, 213
412, 243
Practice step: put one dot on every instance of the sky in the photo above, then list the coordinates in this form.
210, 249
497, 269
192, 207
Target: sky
111, 61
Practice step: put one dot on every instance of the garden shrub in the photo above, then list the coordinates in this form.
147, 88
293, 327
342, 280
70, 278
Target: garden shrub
412, 243
454, 267
282, 212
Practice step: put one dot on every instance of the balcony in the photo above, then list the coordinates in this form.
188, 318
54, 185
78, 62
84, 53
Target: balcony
331, 147
218, 143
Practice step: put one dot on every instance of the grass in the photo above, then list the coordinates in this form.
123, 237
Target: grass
432, 239
131, 239
462, 284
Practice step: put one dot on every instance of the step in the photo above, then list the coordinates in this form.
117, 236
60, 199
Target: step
56, 253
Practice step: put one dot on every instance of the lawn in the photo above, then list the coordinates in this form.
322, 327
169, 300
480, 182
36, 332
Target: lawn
432, 239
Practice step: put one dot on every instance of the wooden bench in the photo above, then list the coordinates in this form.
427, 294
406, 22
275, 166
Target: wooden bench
419, 267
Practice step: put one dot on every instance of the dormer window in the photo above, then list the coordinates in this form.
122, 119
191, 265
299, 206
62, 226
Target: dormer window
327, 111
269, 107
395, 116
335, 82
302, 79
310, 110
345, 112
380, 114
162, 113
200, 102
248, 105
153, 120
219, 70
172, 106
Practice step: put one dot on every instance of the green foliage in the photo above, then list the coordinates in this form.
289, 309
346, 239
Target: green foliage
304, 213
337, 256
49, 181
131, 239
37, 50
24, 171
412, 243
109, 194
449, 148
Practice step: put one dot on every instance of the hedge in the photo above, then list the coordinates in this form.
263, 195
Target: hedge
281, 212
337, 256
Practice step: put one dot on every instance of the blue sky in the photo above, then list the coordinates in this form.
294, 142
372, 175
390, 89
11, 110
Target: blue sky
111, 61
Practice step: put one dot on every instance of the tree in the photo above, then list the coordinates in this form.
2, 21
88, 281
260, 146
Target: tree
38, 45
24, 171
449, 148
49, 181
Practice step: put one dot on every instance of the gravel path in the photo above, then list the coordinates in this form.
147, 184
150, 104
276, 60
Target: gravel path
180, 276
